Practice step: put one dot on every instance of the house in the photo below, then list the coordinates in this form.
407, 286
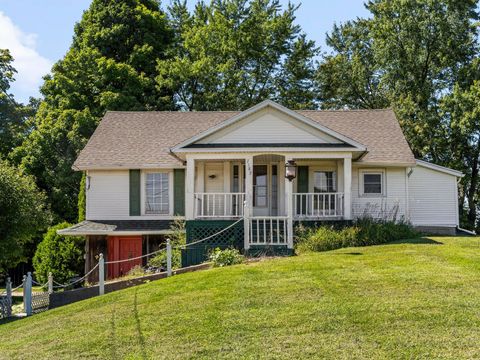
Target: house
146, 169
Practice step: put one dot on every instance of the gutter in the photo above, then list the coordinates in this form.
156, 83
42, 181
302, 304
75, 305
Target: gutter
466, 231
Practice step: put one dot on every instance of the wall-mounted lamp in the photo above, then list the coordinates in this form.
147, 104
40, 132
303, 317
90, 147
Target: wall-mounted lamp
87, 182
212, 176
290, 170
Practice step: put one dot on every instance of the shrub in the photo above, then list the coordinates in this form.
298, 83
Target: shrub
60, 255
136, 271
363, 232
226, 257
177, 237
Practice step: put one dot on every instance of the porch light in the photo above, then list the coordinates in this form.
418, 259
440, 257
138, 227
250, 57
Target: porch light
290, 170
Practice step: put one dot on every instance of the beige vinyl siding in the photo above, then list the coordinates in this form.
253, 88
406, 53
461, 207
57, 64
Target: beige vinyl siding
433, 199
108, 195
269, 126
395, 193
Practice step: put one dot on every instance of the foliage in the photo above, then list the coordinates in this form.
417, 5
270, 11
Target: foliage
13, 116
82, 198
226, 257
364, 232
61, 255
413, 56
232, 54
136, 271
177, 237
110, 66
23, 213
160, 260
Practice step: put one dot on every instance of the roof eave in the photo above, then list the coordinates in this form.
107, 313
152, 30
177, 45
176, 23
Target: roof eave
259, 107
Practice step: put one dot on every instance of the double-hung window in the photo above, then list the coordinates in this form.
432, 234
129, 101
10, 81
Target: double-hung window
372, 183
157, 195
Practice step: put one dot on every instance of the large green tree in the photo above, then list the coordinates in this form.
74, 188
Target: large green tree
232, 54
13, 116
410, 55
109, 66
23, 213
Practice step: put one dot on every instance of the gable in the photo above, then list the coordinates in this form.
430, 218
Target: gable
269, 126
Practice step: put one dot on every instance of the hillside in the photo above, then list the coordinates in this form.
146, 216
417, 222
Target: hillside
418, 298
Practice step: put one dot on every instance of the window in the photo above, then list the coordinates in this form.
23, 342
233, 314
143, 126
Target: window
324, 181
260, 185
157, 193
372, 182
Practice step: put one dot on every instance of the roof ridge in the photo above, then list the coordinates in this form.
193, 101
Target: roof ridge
171, 111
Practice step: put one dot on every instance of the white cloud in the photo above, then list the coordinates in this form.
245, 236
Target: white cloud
30, 65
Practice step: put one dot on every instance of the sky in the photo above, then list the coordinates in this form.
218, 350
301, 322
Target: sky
39, 32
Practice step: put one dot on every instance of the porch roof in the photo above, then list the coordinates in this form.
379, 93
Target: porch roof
118, 227
145, 139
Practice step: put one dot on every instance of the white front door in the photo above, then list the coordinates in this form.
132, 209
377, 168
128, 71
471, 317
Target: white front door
265, 189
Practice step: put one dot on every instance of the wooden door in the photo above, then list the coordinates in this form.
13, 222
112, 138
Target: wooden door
123, 248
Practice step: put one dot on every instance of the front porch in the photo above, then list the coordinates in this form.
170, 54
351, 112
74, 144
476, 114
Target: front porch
253, 187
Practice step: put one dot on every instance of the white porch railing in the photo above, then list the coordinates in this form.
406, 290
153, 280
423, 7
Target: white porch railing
317, 205
219, 205
268, 230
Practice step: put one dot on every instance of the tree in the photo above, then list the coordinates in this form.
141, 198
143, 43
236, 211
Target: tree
350, 76
232, 54
411, 55
12, 115
462, 108
110, 66
60, 255
23, 214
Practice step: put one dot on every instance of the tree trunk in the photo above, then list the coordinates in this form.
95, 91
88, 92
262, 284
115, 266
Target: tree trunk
472, 191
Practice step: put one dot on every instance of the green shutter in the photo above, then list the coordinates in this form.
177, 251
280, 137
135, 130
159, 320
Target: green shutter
179, 191
302, 187
302, 179
134, 192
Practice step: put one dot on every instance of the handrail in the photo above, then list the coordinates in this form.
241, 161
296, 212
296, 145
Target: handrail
219, 205
318, 205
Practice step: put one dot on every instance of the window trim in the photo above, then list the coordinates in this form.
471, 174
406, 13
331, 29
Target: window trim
361, 182
311, 176
143, 179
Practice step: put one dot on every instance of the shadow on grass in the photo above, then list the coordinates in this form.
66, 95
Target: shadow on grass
420, 240
141, 338
350, 253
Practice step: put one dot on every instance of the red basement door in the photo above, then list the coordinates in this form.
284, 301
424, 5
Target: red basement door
123, 248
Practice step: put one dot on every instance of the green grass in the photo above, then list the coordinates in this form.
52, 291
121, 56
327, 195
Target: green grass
411, 299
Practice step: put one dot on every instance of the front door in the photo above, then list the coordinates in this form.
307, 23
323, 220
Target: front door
265, 190
123, 248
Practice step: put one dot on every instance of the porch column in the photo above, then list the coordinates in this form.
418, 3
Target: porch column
347, 188
190, 189
248, 200
289, 205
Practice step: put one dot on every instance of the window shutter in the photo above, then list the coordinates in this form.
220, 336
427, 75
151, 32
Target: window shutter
302, 187
179, 192
302, 179
134, 192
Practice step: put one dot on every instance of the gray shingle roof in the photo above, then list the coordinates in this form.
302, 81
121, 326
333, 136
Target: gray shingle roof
107, 227
144, 139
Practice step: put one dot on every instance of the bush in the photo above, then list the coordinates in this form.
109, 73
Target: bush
60, 255
363, 232
226, 257
177, 237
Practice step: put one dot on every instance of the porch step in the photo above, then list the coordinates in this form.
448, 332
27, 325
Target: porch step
258, 251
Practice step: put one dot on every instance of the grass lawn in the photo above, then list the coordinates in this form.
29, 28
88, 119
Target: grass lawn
411, 299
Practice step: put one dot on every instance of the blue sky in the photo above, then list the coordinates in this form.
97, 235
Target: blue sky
39, 32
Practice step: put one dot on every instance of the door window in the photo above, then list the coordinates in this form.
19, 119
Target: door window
260, 185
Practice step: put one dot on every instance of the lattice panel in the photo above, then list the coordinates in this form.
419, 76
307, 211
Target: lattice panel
5, 307
40, 301
197, 230
200, 229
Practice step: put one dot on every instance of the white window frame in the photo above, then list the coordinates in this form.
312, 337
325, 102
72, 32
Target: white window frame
361, 182
311, 176
143, 188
